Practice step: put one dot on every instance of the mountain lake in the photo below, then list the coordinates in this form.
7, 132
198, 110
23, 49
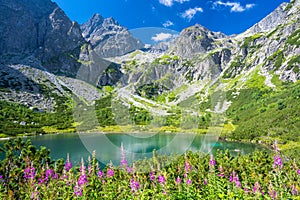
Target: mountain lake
136, 146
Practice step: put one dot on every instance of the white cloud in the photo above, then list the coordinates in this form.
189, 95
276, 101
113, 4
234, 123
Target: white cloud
170, 3
248, 6
235, 6
161, 37
168, 23
146, 46
190, 13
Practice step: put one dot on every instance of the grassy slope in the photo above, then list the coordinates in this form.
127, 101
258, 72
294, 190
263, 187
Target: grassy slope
261, 113
12, 114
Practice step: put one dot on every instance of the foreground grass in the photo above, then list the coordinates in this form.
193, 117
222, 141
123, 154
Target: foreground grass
31, 174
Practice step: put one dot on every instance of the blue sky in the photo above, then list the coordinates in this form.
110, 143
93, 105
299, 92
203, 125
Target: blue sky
229, 17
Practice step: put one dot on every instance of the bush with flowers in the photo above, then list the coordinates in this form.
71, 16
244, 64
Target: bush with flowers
29, 173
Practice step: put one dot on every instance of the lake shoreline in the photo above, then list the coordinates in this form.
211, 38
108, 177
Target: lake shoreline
137, 145
117, 130
128, 130
97, 132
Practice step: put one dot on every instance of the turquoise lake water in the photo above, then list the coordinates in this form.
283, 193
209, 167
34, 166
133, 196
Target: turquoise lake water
136, 146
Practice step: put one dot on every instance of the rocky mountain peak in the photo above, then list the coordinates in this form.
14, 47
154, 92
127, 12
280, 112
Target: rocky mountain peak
108, 37
202, 30
97, 18
197, 39
110, 22
91, 24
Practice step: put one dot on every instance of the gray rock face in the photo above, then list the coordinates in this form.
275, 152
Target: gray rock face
204, 53
278, 16
196, 39
40, 28
108, 37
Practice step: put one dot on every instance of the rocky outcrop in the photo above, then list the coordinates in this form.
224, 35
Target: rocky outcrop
196, 39
278, 16
108, 37
273, 44
42, 29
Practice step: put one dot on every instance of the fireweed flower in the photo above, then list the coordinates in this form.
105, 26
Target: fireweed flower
221, 172
273, 194
152, 177
137, 185
78, 191
110, 173
49, 173
235, 179
298, 171
277, 161
212, 161
34, 194
90, 170
256, 187
82, 179
29, 173
238, 183
68, 165
55, 176
124, 163
188, 182
82, 168
134, 185
294, 190
42, 180
205, 182
64, 176
187, 166
100, 174
246, 190
1, 178
178, 180
161, 179
90, 167
129, 169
